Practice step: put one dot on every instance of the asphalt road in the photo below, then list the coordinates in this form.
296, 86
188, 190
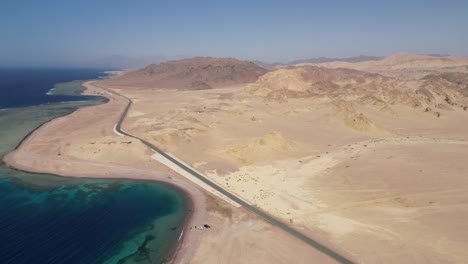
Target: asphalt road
262, 214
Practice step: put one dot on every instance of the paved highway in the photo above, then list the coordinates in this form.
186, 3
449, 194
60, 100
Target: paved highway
272, 220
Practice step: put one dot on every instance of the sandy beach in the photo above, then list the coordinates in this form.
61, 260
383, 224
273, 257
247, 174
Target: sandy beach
84, 144
33, 157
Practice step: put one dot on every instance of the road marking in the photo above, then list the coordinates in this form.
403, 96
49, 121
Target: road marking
117, 132
158, 157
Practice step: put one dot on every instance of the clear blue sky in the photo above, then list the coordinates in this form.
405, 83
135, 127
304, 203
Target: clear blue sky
76, 32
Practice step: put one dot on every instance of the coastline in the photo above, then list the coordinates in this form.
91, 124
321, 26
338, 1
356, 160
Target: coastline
42, 124
22, 160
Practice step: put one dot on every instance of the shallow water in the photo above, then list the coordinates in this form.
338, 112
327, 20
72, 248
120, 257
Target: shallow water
50, 219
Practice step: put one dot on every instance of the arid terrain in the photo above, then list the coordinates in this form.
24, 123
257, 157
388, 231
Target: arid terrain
368, 158
191, 74
86, 144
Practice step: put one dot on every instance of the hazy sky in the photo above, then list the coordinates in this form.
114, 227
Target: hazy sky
82, 32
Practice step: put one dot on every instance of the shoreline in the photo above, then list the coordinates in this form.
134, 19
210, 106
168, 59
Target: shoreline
194, 198
188, 202
41, 125
180, 187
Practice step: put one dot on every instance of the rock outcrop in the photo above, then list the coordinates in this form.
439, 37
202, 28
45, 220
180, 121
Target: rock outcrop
191, 74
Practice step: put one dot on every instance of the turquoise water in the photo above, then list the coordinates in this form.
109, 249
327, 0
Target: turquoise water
87, 221
50, 219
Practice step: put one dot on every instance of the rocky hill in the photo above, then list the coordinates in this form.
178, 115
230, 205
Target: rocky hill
443, 91
310, 81
191, 74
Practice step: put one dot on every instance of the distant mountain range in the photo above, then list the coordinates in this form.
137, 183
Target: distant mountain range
128, 62
360, 58
326, 59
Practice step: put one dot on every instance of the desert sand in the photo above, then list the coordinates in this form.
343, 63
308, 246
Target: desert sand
366, 157
85, 144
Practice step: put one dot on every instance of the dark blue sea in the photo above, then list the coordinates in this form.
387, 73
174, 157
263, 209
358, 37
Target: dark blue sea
27, 87
48, 219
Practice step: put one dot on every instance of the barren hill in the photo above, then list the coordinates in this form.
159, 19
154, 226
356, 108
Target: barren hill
445, 91
309, 81
191, 74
